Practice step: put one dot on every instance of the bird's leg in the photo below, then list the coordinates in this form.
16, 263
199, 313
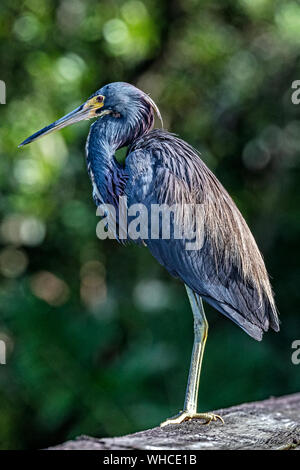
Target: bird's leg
191, 396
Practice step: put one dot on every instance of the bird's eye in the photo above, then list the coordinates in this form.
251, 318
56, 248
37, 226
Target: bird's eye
99, 98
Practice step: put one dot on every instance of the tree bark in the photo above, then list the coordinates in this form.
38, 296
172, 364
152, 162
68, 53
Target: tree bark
269, 424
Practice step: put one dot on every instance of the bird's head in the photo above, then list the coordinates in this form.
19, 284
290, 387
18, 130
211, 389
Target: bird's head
120, 103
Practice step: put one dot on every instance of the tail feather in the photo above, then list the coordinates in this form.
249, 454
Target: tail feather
249, 323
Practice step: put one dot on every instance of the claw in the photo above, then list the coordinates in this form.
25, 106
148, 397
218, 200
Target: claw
186, 416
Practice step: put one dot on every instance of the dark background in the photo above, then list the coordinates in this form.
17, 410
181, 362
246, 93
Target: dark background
98, 335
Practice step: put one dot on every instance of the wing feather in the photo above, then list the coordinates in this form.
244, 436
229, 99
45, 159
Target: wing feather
228, 270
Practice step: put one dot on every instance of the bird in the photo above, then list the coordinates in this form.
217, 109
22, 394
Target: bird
226, 270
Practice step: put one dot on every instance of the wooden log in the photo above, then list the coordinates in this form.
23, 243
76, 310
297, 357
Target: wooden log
269, 424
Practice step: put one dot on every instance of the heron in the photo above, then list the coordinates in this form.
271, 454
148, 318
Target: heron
227, 270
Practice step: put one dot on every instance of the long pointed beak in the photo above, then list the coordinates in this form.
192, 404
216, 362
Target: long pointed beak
87, 110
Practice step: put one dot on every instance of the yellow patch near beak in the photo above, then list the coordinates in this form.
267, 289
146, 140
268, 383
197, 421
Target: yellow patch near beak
94, 104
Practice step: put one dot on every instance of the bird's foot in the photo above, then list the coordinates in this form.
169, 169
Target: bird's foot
186, 416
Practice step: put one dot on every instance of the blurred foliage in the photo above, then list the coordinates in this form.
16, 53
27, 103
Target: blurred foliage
99, 336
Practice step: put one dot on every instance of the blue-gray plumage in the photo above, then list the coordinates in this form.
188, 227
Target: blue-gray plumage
227, 270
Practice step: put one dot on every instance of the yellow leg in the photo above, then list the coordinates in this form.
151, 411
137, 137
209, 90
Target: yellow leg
191, 396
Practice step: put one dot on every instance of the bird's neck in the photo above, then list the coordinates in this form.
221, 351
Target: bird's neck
107, 175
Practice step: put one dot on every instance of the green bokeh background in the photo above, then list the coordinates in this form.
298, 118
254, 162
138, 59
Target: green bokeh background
98, 335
